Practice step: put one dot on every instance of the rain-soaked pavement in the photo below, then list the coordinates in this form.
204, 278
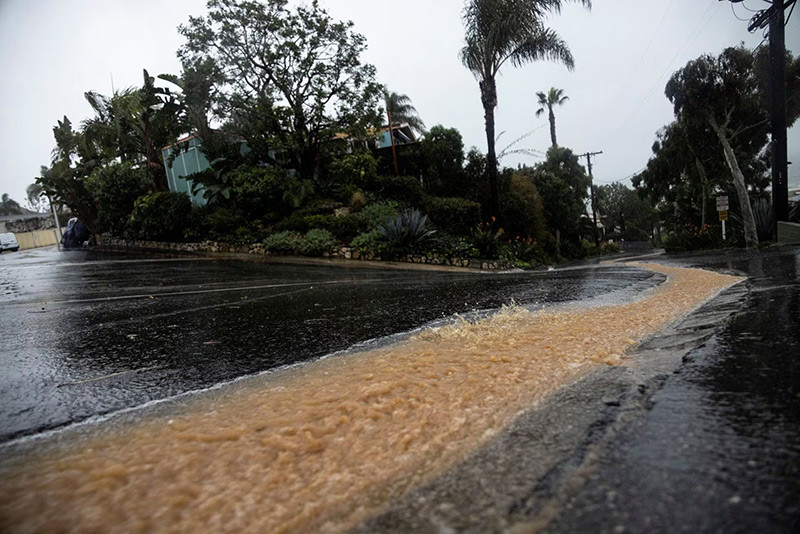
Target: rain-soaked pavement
88, 333
698, 431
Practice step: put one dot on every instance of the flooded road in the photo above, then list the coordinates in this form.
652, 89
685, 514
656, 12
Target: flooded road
92, 333
321, 446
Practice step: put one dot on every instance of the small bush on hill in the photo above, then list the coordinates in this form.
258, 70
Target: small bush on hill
404, 189
453, 215
160, 217
316, 242
451, 246
283, 243
488, 240
371, 242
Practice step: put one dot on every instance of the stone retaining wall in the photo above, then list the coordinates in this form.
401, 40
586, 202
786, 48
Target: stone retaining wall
347, 253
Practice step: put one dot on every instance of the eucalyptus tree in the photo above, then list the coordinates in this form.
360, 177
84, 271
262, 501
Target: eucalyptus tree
547, 101
498, 32
290, 79
726, 96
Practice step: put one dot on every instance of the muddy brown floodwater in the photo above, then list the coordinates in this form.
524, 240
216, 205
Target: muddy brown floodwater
322, 446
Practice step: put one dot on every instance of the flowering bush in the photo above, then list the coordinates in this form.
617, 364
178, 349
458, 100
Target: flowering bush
488, 239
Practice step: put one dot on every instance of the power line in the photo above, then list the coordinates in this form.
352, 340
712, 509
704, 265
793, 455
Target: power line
658, 28
620, 180
733, 10
693, 36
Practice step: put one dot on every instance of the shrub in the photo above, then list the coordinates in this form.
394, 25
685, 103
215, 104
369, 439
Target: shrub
453, 215
346, 228
378, 213
523, 211
316, 221
360, 169
487, 239
296, 222
691, 238
316, 242
222, 222
371, 242
357, 202
114, 189
406, 233
160, 217
523, 249
284, 243
451, 246
405, 189
258, 190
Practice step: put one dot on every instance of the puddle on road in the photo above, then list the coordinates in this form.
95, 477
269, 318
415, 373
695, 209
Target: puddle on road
322, 446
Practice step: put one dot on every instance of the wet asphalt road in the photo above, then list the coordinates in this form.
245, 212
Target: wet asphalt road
88, 333
698, 432
718, 447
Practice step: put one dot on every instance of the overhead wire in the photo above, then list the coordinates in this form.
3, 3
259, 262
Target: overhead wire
733, 10
693, 36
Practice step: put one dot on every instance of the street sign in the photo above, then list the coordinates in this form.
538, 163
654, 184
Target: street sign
722, 203
723, 215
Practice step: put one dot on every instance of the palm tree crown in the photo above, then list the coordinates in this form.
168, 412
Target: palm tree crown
547, 101
502, 31
400, 110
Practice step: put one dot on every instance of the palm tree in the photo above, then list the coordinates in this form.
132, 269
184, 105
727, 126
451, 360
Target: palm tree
503, 31
554, 97
400, 110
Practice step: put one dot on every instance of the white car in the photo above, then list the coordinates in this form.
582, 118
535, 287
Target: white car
8, 242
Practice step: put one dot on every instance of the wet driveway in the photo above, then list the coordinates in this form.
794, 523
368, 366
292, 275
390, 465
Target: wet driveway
87, 333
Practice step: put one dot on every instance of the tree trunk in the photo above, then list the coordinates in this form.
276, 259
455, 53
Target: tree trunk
749, 222
489, 101
553, 128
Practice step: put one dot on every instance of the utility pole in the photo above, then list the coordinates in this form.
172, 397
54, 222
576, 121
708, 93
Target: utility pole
588, 157
775, 18
780, 166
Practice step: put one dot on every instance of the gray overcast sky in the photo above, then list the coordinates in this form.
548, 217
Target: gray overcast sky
51, 51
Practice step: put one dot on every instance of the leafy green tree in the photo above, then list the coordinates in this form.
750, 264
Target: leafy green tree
726, 95
563, 185
547, 101
621, 208
64, 181
115, 188
523, 209
289, 80
507, 31
443, 160
134, 124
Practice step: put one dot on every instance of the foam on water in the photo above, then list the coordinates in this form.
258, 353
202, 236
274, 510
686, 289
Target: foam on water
323, 445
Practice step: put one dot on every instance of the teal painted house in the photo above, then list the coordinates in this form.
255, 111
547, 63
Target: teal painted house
188, 159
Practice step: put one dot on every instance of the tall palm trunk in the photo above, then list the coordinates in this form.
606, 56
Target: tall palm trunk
553, 127
749, 222
489, 101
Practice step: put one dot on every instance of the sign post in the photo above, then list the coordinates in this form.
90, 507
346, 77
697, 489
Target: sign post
722, 209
